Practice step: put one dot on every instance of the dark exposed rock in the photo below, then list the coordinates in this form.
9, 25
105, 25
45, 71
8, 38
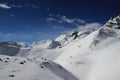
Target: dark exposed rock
11, 75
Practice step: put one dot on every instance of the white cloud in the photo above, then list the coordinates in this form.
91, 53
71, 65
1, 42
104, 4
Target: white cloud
79, 20
89, 26
74, 20
4, 6
78, 23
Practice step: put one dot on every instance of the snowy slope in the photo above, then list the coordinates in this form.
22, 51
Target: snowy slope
89, 58
105, 63
16, 68
51, 47
89, 55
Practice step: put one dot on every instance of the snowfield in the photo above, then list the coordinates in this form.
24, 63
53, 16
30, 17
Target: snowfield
12, 68
83, 55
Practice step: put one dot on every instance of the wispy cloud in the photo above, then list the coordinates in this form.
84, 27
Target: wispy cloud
17, 6
77, 23
51, 19
4, 6
32, 6
64, 19
74, 20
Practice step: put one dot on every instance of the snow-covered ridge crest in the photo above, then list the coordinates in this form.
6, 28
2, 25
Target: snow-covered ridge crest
102, 34
113, 23
94, 57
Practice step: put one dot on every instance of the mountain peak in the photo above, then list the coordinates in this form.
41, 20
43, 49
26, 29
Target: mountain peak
113, 23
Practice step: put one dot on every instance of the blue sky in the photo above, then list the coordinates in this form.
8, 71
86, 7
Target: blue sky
35, 20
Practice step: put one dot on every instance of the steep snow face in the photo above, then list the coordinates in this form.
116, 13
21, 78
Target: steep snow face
54, 44
66, 39
105, 63
60, 38
80, 56
84, 33
106, 36
72, 58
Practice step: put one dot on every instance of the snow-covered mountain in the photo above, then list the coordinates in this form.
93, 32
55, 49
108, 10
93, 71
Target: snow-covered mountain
79, 55
94, 57
114, 23
9, 48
